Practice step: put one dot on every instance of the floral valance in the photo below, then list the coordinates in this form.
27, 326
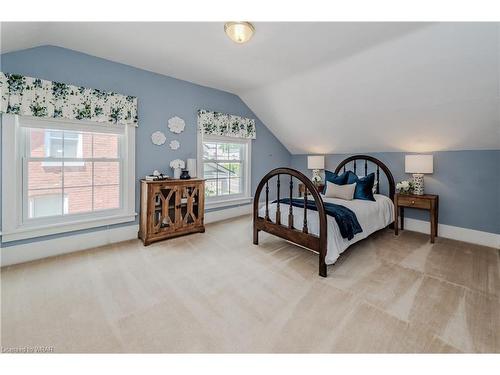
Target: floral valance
217, 123
29, 96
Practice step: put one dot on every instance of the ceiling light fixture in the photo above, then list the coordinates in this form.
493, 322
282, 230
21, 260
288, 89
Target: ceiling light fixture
239, 32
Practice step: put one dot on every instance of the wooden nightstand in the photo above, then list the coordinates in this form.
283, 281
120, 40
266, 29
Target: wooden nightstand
302, 187
427, 202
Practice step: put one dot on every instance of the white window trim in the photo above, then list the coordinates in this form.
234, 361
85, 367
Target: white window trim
13, 227
229, 200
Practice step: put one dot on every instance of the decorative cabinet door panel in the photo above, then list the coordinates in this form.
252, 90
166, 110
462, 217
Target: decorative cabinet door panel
189, 208
164, 208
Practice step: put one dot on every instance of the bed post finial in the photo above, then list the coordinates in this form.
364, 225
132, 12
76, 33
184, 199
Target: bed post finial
290, 211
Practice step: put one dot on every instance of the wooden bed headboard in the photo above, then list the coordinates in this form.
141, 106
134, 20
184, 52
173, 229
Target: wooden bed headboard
378, 163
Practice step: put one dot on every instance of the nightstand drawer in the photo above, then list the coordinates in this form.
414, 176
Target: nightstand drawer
414, 202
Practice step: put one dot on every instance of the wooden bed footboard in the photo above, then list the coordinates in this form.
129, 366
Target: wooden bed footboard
293, 231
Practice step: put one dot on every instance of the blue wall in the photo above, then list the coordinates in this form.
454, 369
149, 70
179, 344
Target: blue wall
159, 98
467, 182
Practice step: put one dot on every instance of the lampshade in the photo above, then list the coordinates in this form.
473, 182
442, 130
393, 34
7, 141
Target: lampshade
239, 32
315, 162
418, 164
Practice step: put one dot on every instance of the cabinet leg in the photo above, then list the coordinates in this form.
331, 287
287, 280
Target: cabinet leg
396, 219
433, 227
402, 216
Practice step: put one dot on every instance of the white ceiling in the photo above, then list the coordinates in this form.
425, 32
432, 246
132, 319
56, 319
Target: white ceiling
320, 87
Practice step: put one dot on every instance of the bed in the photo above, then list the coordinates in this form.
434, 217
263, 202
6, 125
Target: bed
309, 225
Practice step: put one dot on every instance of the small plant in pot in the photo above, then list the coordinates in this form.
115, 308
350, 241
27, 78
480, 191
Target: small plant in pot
404, 187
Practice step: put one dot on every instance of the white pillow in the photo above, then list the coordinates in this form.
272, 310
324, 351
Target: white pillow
345, 192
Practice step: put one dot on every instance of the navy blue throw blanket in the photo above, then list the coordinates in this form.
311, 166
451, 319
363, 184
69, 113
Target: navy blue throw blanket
345, 218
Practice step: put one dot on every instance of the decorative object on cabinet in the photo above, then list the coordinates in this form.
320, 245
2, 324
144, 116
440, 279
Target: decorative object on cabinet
156, 176
176, 125
404, 187
174, 145
171, 208
316, 162
177, 165
427, 202
158, 138
191, 167
160, 177
185, 175
418, 165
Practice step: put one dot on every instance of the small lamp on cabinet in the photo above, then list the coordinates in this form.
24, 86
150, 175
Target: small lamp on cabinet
418, 165
316, 163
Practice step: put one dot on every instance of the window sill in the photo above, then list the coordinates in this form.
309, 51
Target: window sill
45, 230
227, 202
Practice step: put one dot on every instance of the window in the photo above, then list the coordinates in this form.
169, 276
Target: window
73, 146
81, 168
47, 205
67, 175
226, 168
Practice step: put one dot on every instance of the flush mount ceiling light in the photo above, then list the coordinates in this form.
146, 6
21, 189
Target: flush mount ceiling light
239, 32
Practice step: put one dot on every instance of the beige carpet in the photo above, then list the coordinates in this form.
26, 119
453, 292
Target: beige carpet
216, 292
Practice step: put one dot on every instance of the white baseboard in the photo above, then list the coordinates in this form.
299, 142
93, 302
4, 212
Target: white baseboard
68, 244
456, 233
64, 245
228, 213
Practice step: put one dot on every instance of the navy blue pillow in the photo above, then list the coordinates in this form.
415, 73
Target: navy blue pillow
364, 186
351, 178
339, 179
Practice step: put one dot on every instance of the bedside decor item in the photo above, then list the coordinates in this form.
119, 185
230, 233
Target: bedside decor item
171, 208
404, 187
158, 138
177, 165
191, 167
316, 162
427, 202
239, 32
185, 175
176, 125
174, 145
418, 165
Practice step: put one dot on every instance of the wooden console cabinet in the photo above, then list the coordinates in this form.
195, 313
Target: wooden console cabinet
171, 208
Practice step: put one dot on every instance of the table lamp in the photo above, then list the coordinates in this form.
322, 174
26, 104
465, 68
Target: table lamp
418, 165
316, 162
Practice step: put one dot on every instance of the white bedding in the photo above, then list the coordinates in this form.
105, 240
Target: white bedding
372, 216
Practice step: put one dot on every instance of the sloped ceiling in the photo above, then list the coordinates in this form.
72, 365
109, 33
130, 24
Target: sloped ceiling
320, 87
